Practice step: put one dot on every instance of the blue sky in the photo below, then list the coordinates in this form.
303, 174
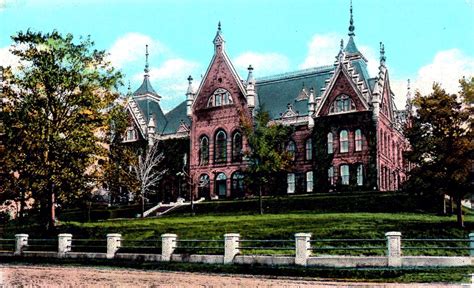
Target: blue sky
425, 40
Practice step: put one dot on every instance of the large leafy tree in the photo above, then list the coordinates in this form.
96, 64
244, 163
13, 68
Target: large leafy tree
267, 156
442, 144
56, 114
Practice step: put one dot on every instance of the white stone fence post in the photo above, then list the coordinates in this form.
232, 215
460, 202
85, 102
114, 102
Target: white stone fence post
471, 245
64, 244
114, 242
168, 244
21, 241
231, 246
302, 248
394, 249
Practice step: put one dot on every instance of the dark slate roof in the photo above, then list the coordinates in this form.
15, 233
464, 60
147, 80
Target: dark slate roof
351, 47
145, 88
372, 82
149, 106
275, 92
175, 117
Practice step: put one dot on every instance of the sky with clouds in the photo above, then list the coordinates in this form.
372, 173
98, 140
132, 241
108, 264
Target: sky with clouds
425, 40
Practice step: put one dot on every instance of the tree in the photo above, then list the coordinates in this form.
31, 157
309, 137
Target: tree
147, 173
56, 107
267, 156
442, 143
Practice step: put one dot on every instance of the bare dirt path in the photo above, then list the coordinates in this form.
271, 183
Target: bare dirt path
56, 276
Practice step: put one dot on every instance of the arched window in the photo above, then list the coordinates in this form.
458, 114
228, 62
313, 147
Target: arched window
309, 181
220, 147
360, 175
220, 97
203, 187
343, 141
291, 183
330, 143
221, 185
237, 184
204, 150
331, 176
131, 134
309, 149
291, 149
343, 103
344, 174
358, 140
237, 147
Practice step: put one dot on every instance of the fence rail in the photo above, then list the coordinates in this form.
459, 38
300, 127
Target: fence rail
232, 249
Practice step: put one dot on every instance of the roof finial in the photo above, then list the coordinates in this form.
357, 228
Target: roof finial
382, 53
219, 26
146, 60
342, 45
351, 24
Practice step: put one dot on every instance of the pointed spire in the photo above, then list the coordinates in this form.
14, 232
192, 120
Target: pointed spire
129, 90
382, 54
146, 60
341, 45
351, 24
219, 26
189, 97
218, 40
190, 86
250, 79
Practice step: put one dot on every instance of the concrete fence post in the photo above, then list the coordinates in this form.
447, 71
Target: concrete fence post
168, 244
231, 246
64, 244
394, 249
113, 244
471, 245
303, 248
21, 241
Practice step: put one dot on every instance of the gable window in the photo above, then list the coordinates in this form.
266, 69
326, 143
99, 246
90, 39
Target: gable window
291, 183
331, 176
220, 97
204, 150
343, 103
309, 149
330, 143
358, 140
344, 141
220, 150
360, 175
291, 149
131, 134
237, 147
344, 174
309, 181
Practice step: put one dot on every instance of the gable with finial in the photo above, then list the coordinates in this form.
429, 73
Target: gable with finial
183, 128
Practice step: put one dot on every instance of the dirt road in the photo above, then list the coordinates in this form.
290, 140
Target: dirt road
56, 276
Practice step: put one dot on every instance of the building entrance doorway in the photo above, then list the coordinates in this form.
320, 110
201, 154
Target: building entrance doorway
221, 185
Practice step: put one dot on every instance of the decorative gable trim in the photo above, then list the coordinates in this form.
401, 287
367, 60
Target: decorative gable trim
290, 112
137, 116
183, 128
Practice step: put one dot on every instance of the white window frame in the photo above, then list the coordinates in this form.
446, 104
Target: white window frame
330, 140
309, 181
360, 174
309, 149
345, 177
291, 183
358, 140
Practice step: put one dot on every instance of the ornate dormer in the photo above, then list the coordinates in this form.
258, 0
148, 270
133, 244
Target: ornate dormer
303, 95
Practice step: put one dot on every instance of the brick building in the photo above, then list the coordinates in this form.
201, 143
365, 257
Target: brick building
347, 130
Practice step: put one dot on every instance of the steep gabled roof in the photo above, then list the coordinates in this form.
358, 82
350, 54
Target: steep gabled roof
175, 117
145, 88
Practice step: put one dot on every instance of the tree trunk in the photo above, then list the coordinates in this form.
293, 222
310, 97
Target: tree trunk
260, 201
460, 219
143, 204
51, 206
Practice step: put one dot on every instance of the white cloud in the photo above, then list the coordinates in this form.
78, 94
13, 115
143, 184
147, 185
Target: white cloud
131, 47
264, 63
447, 68
7, 58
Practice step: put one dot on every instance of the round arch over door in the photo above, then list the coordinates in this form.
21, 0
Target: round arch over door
221, 185
237, 184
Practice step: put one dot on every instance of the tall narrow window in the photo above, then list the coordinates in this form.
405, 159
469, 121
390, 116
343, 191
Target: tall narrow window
309, 149
291, 149
344, 174
221, 185
220, 151
331, 176
344, 141
330, 143
342, 103
204, 151
237, 184
131, 134
291, 183
220, 97
360, 175
309, 181
237, 147
358, 140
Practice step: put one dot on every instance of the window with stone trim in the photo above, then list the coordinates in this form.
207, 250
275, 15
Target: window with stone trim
330, 143
309, 149
131, 134
343, 103
309, 181
204, 150
344, 141
237, 147
220, 148
360, 175
291, 183
291, 149
344, 172
220, 97
358, 140
331, 176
